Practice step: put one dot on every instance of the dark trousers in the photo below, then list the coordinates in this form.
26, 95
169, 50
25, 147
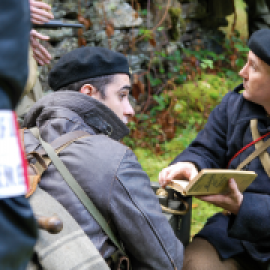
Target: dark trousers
18, 233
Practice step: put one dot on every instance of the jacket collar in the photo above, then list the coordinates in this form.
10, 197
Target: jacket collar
94, 113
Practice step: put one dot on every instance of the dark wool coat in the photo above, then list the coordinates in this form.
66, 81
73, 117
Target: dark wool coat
18, 230
111, 176
226, 132
15, 29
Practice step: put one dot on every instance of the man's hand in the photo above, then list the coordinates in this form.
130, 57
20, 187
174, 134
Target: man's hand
40, 12
41, 55
180, 170
230, 201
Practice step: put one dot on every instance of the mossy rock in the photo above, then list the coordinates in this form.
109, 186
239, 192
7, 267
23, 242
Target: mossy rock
206, 92
176, 22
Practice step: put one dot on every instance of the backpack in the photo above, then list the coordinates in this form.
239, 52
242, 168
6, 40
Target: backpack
37, 163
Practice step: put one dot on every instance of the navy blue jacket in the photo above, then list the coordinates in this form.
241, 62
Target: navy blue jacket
226, 132
18, 232
14, 42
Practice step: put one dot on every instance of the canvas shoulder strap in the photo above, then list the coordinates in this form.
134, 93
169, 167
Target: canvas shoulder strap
260, 149
86, 201
264, 157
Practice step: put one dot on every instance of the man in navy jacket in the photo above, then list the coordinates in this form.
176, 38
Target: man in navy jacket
240, 239
18, 231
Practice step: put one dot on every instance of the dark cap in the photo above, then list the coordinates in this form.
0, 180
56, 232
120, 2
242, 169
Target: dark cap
84, 63
259, 44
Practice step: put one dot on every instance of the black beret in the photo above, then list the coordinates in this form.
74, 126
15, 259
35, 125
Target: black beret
259, 44
86, 62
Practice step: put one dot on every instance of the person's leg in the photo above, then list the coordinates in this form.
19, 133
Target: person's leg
201, 255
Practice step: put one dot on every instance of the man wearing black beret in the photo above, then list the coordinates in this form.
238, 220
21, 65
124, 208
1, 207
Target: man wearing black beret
92, 94
235, 128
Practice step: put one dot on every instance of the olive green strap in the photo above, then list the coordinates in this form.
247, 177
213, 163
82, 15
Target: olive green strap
86, 201
35, 131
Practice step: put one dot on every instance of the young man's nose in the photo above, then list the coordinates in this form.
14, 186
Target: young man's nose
129, 110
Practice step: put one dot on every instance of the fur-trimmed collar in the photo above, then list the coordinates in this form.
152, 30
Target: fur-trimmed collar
94, 113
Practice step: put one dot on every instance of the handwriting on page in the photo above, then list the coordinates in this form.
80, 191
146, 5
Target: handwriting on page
210, 183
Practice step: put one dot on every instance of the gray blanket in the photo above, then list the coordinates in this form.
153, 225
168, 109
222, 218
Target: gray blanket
71, 248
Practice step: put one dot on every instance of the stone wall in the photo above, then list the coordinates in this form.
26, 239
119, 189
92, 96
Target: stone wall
114, 24
117, 25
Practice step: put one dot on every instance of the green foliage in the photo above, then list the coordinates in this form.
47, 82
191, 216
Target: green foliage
143, 12
161, 104
154, 81
207, 63
148, 34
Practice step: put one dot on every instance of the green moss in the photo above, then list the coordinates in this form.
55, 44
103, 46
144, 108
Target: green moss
181, 141
208, 91
176, 19
152, 164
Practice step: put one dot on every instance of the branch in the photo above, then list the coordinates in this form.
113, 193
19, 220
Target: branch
159, 23
234, 17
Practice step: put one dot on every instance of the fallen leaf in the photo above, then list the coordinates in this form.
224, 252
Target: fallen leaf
153, 42
195, 205
109, 29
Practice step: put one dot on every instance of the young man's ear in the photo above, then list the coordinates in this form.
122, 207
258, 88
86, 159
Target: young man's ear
89, 90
